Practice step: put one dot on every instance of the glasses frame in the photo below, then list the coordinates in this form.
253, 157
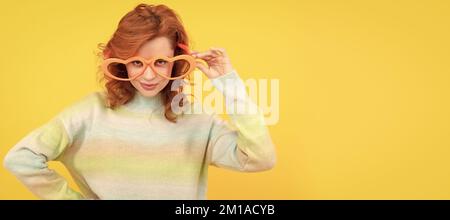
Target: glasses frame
151, 63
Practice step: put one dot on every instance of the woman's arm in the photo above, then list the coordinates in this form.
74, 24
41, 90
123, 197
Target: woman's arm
245, 143
27, 160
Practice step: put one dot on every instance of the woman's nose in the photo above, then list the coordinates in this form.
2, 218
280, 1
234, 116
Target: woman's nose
149, 74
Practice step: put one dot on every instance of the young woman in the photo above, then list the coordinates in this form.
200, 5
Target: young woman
127, 142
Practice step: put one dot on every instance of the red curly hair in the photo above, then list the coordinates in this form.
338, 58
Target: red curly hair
143, 23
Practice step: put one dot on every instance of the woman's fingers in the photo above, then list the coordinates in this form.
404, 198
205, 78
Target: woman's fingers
218, 50
202, 67
202, 55
213, 62
213, 52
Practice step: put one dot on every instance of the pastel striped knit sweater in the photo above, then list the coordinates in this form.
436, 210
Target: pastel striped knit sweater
134, 152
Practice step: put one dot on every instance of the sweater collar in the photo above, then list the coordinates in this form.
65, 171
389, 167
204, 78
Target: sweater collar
143, 104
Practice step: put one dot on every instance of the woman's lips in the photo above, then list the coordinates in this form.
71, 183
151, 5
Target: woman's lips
148, 86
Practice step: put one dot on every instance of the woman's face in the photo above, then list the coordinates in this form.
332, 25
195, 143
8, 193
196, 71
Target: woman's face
150, 83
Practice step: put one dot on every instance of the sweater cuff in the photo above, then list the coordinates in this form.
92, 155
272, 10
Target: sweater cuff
233, 88
230, 85
226, 80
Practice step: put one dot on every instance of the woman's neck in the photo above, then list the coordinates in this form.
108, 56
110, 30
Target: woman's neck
142, 104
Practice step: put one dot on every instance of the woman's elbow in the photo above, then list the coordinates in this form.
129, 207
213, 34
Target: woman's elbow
268, 163
10, 162
261, 163
23, 162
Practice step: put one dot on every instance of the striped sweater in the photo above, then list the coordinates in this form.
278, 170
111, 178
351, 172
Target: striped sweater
134, 152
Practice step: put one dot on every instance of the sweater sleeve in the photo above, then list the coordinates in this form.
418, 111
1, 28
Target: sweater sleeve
242, 143
28, 159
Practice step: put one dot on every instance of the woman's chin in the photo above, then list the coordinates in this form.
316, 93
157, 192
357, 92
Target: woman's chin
147, 93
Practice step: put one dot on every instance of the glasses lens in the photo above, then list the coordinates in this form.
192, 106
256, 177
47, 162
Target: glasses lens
118, 70
162, 66
181, 68
135, 67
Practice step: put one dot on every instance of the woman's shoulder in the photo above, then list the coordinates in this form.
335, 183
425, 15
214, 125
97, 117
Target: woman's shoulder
97, 99
86, 105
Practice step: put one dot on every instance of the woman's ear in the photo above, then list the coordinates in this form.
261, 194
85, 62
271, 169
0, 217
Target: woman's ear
184, 47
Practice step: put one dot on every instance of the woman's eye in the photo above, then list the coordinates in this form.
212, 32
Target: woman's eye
137, 63
160, 62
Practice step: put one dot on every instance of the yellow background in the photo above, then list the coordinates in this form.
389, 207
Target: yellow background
364, 87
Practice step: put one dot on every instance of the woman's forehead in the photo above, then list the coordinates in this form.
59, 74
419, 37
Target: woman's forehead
156, 47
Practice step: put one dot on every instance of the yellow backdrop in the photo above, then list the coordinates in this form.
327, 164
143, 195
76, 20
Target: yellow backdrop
364, 87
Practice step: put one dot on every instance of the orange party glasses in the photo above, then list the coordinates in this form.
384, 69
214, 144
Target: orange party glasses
170, 68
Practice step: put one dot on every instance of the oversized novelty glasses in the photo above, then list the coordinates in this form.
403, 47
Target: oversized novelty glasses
133, 67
